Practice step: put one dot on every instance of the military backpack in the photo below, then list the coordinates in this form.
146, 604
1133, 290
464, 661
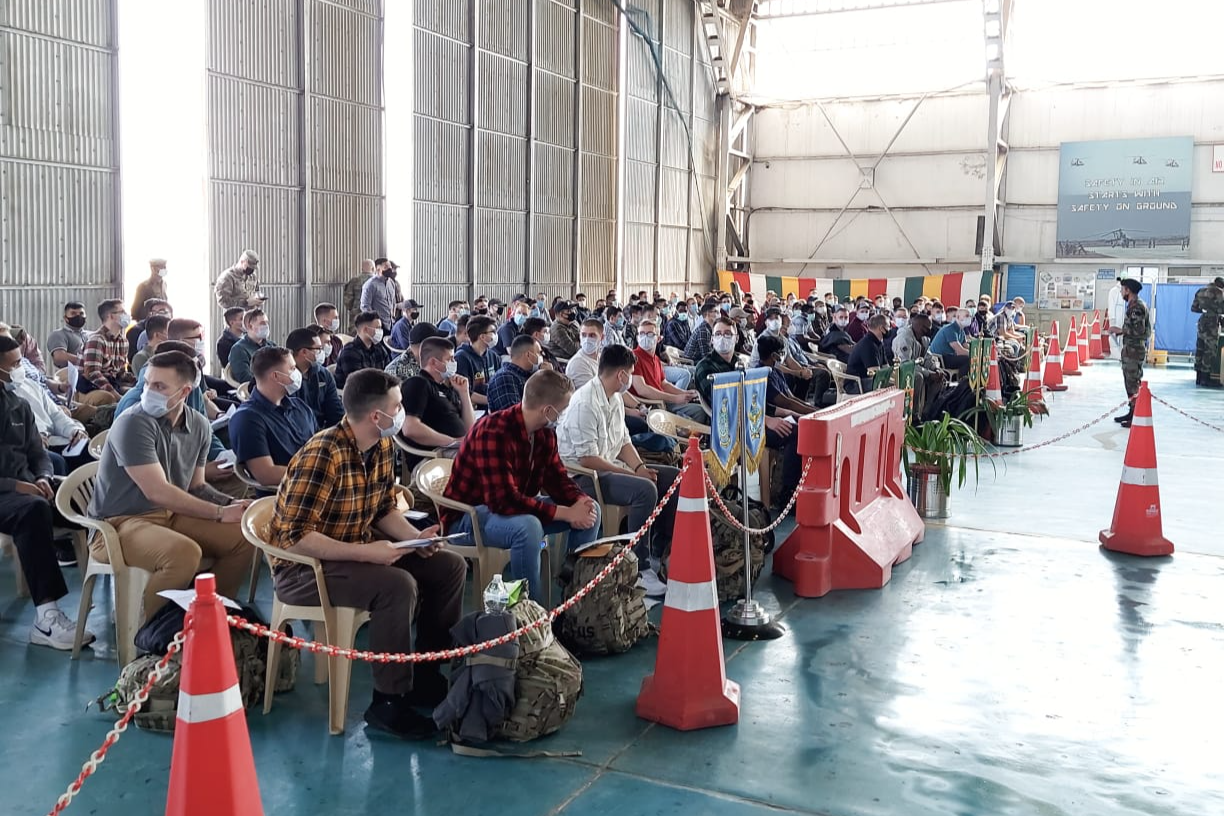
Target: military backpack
612, 616
547, 680
729, 543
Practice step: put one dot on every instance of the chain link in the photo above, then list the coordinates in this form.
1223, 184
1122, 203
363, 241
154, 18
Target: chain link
739, 525
1177, 410
96, 758
259, 630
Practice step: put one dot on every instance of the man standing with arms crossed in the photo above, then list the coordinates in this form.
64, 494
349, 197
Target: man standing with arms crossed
1209, 304
1134, 332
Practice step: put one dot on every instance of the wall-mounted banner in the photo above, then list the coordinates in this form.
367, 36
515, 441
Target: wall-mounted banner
955, 287
1126, 198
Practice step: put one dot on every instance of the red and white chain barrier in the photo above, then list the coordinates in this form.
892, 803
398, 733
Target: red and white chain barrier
739, 525
96, 758
1177, 410
259, 630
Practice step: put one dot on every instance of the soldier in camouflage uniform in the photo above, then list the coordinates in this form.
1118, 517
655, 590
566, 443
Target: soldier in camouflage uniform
1208, 302
352, 294
1134, 333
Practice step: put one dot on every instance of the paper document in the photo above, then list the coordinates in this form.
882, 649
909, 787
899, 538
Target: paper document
415, 515
223, 420
74, 376
414, 544
184, 597
77, 449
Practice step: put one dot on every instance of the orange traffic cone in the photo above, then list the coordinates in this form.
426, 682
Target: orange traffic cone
1070, 363
1082, 344
1032, 379
1053, 378
1105, 351
689, 688
994, 387
212, 770
1094, 337
1136, 527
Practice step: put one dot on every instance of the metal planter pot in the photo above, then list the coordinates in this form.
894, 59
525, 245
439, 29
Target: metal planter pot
928, 497
1010, 433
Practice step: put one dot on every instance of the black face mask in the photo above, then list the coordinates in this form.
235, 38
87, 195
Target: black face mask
77, 322
250, 270
413, 315
389, 273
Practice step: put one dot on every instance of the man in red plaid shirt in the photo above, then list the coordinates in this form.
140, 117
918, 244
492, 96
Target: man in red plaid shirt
505, 462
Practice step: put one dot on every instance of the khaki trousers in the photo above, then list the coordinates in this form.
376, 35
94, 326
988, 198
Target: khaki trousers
171, 546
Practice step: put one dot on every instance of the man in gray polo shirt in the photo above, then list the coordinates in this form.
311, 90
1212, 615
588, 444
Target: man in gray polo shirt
151, 489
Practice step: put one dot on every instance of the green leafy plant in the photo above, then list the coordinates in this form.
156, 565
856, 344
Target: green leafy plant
945, 446
1017, 406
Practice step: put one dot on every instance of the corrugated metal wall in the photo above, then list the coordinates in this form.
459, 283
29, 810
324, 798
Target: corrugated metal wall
295, 145
59, 208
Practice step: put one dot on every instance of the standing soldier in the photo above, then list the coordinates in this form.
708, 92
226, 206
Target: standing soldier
238, 286
1135, 329
1208, 302
352, 293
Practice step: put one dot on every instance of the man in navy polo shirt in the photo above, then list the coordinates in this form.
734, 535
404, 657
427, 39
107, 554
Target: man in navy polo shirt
476, 359
273, 425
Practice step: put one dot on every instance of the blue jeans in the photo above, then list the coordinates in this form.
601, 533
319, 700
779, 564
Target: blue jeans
522, 535
678, 376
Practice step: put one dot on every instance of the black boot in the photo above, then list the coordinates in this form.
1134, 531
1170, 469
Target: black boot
1124, 419
1201, 378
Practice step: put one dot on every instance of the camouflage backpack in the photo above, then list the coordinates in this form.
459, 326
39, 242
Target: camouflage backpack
729, 543
612, 617
547, 680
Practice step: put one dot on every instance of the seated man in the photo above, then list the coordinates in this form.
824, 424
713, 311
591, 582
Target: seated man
104, 360
648, 381
868, 355
677, 331
337, 504
699, 343
450, 324
584, 366
563, 336
503, 465
137, 337
231, 335
437, 404
151, 489
476, 360
951, 345
401, 332
720, 359
319, 391
506, 387
538, 329
513, 325
592, 434
366, 350
327, 317
836, 340
57, 429
157, 330
408, 364
66, 343
273, 425
27, 512
255, 322
910, 345
614, 327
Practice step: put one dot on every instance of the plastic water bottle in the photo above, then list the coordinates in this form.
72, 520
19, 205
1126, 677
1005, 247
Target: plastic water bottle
496, 596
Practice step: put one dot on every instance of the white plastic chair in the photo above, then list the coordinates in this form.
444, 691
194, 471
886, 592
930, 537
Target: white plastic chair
340, 623
611, 514
838, 370
228, 376
96, 444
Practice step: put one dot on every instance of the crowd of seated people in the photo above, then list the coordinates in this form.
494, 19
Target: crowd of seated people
516, 393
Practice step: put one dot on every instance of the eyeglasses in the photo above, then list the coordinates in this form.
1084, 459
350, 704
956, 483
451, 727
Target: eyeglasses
195, 339
723, 334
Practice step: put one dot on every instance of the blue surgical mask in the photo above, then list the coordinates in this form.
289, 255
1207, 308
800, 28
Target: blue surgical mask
520, 319
683, 317
154, 404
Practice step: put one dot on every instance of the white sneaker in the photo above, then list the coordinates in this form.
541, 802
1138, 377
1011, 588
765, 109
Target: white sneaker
655, 588
55, 629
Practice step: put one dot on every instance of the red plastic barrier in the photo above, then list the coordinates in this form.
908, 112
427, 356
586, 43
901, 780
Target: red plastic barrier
854, 520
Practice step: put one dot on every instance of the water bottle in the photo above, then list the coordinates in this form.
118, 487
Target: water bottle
496, 596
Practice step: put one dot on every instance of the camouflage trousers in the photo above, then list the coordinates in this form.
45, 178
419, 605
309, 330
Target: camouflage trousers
1132, 373
1207, 350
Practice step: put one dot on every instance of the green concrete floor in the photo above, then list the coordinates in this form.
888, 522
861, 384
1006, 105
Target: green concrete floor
1010, 667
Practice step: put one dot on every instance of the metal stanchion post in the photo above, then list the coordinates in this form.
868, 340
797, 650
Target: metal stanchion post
747, 620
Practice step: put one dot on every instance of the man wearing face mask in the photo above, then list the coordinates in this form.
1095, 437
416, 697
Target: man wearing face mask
581, 312
456, 309
720, 359
938, 317
513, 326
910, 345
104, 359
614, 327
66, 343
337, 503
238, 286
1134, 332
402, 331
951, 344
437, 404
504, 464
366, 350
858, 322
327, 317
650, 383
592, 434
255, 336
352, 291
563, 339
154, 288
506, 387
381, 294
477, 361
537, 329
273, 424
837, 340
584, 366
678, 330
318, 392
868, 354
151, 489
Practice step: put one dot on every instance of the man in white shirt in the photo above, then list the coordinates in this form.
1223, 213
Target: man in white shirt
584, 366
592, 433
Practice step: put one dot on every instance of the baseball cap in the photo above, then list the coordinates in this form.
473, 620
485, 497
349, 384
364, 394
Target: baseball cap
423, 331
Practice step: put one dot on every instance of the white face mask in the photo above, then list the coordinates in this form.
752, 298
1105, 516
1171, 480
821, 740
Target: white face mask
545, 338
452, 368
623, 387
17, 375
964, 322
378, 336
321, 356
590, 345
842, 321
397, 422
154, 404
334, 325
902, 321
161, 273
200, 348
647, 341
295, 382
863, 314
263, 332
773, 324
938, 317
724, 344
125, 320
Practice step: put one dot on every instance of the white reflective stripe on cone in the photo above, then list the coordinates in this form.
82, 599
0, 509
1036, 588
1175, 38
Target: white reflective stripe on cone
689, 505
198, 708
1144, 477
687, 597
1141, 422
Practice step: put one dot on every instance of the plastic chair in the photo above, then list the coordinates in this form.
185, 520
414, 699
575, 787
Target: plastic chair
243, 392
394, 351
406, 474
228, 376
340, 623
675, 426
244, 476
97, 444
431, 479
838, 369
612, 514
72, 500
344, 339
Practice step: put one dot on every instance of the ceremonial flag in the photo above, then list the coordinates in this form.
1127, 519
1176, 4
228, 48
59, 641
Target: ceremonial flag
755, 382
724, 451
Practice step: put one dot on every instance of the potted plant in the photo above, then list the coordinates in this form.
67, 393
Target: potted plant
934, 452
1008, 419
